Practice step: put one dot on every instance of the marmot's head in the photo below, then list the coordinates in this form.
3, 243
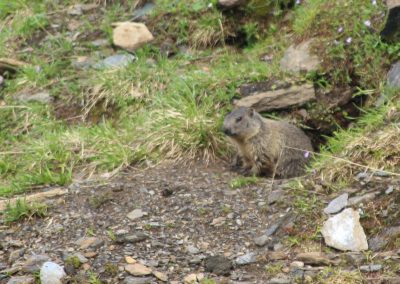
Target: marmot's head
242, 123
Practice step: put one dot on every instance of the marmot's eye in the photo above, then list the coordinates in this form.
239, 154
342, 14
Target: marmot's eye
238, 119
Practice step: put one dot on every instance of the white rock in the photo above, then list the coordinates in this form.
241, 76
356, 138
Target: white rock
51, 273
337, 204
136, 214
344, 232
131, 36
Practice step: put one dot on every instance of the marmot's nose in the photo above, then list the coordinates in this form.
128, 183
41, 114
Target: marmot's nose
227, 131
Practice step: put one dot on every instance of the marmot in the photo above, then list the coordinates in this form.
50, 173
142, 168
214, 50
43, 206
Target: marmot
265, 146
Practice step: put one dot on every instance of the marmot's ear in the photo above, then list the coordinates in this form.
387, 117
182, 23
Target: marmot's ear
251, 112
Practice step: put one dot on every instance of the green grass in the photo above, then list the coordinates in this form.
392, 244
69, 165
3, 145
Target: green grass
239, 182
159, 108
22, 209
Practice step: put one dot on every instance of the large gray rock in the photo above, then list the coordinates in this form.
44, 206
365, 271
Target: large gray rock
391, 31
274, 95
299, 58
344, 232
393, 77
337, 204
131, 36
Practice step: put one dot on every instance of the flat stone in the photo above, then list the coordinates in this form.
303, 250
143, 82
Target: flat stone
160, 276
315, 258
130, 260
248, 258
131, 36
131, 238
299, 58
275, 95
218, 265
136, 214
337, 204
34, 263
138, 269
363, 198
297, 264
41, 97
262, 240
89, 242
51, 273
21, 280
115, 61
230, 3
371, 267
344, 231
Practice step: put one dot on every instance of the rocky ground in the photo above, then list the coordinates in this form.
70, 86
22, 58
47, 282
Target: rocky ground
187, 224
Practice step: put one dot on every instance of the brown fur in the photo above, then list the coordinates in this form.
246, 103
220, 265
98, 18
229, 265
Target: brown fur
265, 146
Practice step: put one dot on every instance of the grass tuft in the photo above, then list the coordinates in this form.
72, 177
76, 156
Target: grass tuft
22, 209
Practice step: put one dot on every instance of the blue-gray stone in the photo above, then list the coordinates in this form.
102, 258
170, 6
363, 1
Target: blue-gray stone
115, 61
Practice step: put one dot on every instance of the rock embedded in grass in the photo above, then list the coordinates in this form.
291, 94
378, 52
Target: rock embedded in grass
393, 76
275, 95
115, 61
299, 58
130, 36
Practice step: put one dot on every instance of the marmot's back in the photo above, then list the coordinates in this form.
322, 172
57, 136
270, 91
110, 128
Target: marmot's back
267, 146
